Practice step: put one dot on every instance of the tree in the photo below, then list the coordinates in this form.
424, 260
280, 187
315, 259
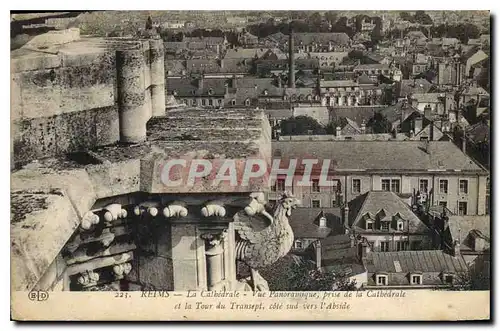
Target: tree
331, 17
422, 18
405, 16
301, 125
149, 23
340, 122
379, 123
291, 273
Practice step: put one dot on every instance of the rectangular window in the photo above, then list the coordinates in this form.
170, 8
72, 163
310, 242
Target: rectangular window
416, 279
386, 184
369, 225
448, 279
315, 185
464, 186
462, 208
401, 245
356, 186
334, 203
443, 186
203, 102
381, 280
424, 185
210, 102
395, 185
384, 246
316, 204
391, 185
298, 244
384, 226
280, 185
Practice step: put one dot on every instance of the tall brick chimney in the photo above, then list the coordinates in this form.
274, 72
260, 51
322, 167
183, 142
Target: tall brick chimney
291, 64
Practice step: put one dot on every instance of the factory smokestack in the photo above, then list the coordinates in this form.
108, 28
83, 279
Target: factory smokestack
291, 64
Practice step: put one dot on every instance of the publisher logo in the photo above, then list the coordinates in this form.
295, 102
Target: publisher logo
38, 295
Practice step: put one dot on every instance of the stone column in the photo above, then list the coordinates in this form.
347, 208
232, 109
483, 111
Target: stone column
157, 60
131, 99
215, 258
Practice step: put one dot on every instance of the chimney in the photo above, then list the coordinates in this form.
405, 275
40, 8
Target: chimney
353, 240
226, 88
221, 62
431, 133
464, 143
291, 64
345, 217
200, 82
233, 82
363, 128
318, 254
456, 248
337, 131
279, 81
417, 124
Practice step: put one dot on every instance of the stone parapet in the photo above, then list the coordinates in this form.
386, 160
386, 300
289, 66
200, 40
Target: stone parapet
119, 170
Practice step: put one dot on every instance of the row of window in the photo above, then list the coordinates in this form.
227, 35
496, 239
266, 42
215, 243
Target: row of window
398, 245
390, 185
415, 279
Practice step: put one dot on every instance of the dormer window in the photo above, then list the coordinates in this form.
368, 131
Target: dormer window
210, 91
247, 102
369, 224
400, 225
175, 92
384, 226
322, 221
233, 102
381, 280
416, 279
266, 92
448, 278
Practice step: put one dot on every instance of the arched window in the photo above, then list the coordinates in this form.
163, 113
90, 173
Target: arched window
247, 102
233, 102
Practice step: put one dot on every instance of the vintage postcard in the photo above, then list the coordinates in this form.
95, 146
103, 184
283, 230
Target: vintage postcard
250, 165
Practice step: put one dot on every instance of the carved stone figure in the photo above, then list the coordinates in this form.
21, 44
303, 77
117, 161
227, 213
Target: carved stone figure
260, 248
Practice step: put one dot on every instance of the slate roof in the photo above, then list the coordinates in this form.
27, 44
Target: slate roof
373, 202
305, 222
426, 97
461, 227
337, 255
393, 156
414, 261
338, 83
478, 132
393, 113
214, 66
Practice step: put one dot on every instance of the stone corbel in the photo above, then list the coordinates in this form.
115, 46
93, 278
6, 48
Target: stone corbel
88, 220
213, 209
175, 209
150, 207
88, 278
121, 270
114, 212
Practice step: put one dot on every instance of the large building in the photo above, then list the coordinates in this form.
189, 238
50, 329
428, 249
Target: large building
402, 167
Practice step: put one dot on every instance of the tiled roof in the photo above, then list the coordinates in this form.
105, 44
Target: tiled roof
382, 155
241, 53
326, 37
426, 97
414, 261
373, 202
305, 222
410, 86
372, 66
358, 114
393, 113
338, 83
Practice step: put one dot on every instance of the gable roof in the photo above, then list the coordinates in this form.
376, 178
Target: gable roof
414, 261
461, 226
375, 202
241, 53
418, 86
404, 156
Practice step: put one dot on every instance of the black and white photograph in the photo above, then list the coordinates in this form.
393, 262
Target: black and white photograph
301, 156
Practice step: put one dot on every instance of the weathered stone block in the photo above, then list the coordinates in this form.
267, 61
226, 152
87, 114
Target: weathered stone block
156, 272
